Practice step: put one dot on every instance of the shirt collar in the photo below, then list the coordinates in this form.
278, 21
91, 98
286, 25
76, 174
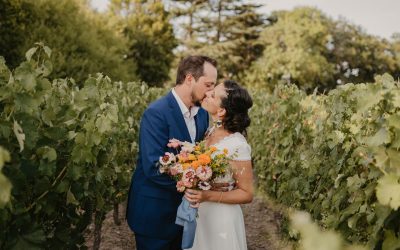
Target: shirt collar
185, 111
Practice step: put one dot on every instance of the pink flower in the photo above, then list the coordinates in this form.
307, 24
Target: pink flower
176, 169
183, 156
180, 186
204, 173
174, 143
188, 183
188, 174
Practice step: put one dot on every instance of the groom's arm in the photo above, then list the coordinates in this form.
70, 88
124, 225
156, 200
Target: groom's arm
153, 138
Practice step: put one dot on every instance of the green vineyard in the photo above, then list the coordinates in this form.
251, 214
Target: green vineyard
72, 150
335, 156
68, 150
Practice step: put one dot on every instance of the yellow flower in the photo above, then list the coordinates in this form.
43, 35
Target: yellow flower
192, 157
225, 151
182, 159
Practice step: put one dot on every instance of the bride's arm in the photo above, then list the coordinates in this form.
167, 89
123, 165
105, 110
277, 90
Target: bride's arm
243, 175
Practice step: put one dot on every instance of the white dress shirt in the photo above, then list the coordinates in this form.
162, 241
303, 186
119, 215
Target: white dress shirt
188, 115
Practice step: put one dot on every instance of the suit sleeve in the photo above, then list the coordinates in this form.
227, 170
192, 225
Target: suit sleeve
153, 139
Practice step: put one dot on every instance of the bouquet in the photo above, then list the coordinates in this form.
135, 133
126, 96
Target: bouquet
195, 166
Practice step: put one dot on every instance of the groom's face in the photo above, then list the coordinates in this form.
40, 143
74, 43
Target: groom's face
204, 84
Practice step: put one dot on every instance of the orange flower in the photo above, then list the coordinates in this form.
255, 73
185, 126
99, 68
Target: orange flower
204, 159
195, 164
197, 148
213, 149
185, 166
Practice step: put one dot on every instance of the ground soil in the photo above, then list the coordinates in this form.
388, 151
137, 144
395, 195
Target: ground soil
263, 229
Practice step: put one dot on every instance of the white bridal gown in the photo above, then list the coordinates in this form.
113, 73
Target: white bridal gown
221, 226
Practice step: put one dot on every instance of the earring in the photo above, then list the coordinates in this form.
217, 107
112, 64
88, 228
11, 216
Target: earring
218, 123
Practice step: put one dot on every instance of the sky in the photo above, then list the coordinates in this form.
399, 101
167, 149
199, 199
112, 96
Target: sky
376, 17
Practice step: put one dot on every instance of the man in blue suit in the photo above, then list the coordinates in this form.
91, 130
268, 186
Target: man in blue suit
153, 199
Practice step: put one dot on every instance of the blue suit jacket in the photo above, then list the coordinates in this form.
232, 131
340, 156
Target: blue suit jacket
153, 200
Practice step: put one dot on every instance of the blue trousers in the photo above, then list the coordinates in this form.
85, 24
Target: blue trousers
147, 243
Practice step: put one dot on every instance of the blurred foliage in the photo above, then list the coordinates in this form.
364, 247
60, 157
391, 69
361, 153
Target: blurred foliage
146, 26
83, 42
314, 238
5, 184
307, 48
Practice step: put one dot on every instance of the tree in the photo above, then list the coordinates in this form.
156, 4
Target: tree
396, 45
308, 49
81, 46
145, 24
227, 30
188, 14
238, 27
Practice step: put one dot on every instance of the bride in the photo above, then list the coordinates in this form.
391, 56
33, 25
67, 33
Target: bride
220, 224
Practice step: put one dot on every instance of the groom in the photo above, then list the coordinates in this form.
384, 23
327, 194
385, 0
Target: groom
153, 199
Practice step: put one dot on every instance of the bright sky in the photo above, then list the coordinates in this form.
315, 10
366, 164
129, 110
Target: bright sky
377, 17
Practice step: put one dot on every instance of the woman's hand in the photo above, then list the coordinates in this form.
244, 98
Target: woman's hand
195, 197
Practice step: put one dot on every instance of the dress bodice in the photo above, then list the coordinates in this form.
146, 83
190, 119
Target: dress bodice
238, 150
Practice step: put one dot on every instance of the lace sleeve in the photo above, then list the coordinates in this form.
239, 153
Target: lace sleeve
237, 147
243, 152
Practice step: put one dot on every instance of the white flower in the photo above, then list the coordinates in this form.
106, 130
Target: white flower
188, 147
163, 169
203, 185
167, 159
204, 173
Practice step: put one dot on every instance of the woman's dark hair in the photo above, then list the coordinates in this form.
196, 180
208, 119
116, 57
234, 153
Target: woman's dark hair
193, 65
237, 104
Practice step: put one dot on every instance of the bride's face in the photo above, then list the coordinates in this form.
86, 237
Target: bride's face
212, 101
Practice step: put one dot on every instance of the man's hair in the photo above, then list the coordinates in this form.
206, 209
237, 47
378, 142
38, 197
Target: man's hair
193, 65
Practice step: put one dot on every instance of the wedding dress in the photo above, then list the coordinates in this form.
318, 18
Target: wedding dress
221, 226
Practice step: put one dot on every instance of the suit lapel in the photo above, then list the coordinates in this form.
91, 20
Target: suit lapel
178, 117
196, 119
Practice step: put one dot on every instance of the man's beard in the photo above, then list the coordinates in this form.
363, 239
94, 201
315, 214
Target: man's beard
196, 102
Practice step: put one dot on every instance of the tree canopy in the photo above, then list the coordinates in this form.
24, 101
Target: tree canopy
309, 49
83, 42
144, 40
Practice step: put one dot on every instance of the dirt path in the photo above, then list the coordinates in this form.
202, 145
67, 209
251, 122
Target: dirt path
262, 220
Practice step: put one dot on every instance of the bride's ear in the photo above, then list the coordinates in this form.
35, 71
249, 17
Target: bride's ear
221, 112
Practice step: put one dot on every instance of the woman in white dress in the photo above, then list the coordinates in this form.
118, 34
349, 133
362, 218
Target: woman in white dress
220, 224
